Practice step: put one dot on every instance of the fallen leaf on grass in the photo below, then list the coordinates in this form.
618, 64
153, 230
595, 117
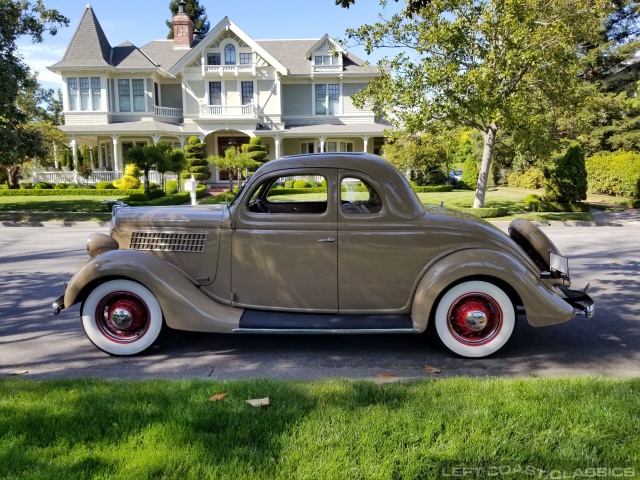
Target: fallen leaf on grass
218, 396
386, 375
19, 372
259, 402
431, 369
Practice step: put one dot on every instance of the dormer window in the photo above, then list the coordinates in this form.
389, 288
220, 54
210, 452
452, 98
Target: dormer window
326, 60
246, 58
230, 55
213, 59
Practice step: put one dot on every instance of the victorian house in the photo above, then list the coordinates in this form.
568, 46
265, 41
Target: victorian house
224, 88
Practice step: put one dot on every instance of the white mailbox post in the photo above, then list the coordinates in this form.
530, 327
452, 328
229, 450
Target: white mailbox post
190, 186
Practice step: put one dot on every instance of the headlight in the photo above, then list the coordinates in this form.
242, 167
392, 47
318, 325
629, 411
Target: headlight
98, 243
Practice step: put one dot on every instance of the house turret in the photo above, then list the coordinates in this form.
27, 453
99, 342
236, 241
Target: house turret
182, 27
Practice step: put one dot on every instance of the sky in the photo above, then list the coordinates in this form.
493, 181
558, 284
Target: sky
141, 21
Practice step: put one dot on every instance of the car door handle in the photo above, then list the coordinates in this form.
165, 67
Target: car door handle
327, 240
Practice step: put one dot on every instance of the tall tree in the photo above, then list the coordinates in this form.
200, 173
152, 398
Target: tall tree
195, 12
18, 140
483, 64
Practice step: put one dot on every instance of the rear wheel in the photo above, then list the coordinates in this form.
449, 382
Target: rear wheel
121, 317
475, 319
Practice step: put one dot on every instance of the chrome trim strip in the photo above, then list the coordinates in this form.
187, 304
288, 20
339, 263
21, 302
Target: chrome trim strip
305, 331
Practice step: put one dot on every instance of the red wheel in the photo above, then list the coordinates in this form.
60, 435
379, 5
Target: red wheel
475, 319
122, 317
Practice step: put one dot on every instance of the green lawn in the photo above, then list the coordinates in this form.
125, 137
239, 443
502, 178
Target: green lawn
330, 429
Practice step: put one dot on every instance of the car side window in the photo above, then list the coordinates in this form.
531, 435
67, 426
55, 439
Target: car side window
293, 194
358, 197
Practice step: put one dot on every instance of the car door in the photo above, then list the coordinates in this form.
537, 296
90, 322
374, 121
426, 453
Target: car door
284, 249
377, 265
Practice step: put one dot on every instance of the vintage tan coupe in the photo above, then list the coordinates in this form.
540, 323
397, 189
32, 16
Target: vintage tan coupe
359, 254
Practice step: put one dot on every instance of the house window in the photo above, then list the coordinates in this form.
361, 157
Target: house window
326, 60
124, 96
247, 93
96, 93
138, 95
306, 147
215, 93
230, 55
337, 146
72, 83
246, 58
213, 59
84, 93
327, 99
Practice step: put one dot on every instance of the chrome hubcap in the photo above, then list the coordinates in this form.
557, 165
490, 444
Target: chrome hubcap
121, 317
476, 320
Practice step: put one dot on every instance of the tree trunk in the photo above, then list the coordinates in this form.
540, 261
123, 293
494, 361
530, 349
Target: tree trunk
147, 191
487, 152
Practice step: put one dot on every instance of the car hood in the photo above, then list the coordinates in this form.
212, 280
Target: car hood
187, 216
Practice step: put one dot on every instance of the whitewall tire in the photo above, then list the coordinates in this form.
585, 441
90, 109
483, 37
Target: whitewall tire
475, 319
121, 317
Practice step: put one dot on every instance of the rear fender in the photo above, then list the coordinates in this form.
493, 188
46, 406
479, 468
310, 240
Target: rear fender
184, 306
542, 306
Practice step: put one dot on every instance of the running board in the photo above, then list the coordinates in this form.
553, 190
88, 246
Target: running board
262, 321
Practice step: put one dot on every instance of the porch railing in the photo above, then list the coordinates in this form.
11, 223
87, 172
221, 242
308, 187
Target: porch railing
168, 112
96, 176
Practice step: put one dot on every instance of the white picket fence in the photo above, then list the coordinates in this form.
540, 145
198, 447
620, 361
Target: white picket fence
96, 176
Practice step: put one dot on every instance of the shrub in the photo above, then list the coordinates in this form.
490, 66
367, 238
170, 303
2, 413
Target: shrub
634, 203
131, 170
127, 182
616, 173
43, 186
171, 187
531, 201
105, 186
433, 188
542, 206
60, 186
470, 174
568, 180
301, 184
288, 183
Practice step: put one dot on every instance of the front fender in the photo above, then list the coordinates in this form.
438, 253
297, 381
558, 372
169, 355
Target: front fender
184, 306
542, 306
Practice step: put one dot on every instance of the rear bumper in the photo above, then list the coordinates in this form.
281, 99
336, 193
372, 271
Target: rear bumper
582, 303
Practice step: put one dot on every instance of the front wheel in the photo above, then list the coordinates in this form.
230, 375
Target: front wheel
121, 317
475, 319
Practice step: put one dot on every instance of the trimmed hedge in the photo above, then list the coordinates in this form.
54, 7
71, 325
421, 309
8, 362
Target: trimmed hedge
616, 173
43, 186
432, 188
487, 212
541, 206
223, 197
66, 192
177, 199
104, 186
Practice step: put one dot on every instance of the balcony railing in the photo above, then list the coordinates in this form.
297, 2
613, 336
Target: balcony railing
249, 68
210, 111
327, 68
167, 112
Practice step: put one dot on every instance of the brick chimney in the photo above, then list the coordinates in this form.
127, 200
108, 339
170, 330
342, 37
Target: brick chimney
182, 27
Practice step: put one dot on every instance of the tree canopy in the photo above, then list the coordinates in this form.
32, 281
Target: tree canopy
483, 64
18, 139
195, 12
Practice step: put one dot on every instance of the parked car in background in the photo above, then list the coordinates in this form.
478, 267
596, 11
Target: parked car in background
360, 254
455, 176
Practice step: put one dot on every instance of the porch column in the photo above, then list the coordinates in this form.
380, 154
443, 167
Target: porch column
277, 140
91, 161
155, 138
74, 151
365, 140
322, 144
116, 159
181, 139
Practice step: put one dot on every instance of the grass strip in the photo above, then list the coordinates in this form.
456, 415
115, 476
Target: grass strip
517, 428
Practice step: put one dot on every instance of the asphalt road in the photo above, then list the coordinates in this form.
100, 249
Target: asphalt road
34, 260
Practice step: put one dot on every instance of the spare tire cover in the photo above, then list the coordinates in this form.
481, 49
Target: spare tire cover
533, 241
